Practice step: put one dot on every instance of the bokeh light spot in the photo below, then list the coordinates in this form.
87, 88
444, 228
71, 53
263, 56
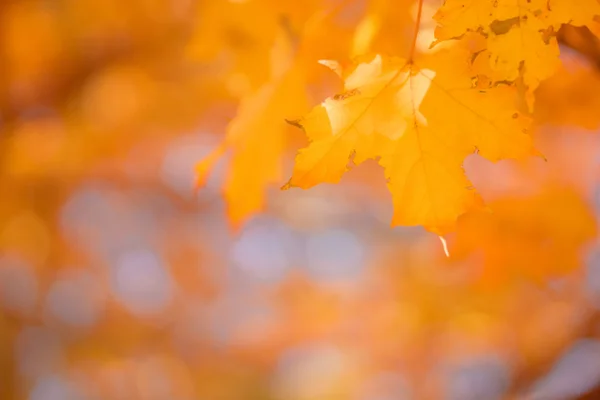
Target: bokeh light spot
141, 282
18, 285
335, 255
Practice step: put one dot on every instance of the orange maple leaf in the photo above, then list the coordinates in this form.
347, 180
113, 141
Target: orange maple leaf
570, 97
385, 28
421, 125
256, 138
520, 34
536, 237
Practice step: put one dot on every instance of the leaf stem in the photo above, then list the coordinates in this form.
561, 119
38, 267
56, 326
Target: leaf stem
413, 45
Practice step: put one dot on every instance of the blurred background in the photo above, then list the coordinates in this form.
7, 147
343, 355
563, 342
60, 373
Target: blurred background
120, 281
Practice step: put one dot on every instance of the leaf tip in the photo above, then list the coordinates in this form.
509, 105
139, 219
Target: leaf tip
333, 65
204, 166
444, 246
434, 43
287, 186
538, 153
294, 122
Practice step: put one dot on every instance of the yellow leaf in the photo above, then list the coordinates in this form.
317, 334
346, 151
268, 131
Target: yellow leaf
256, 139
570, 97
524, 45
577, 13
520, 33
421, 125
538, 237
386, 27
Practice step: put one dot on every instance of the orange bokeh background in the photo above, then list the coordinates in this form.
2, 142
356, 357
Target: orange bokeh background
119, 280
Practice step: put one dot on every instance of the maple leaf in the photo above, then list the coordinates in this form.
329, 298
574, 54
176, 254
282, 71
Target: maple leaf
385, 28
536, 236
570, 97
521, 34
223, 32
256, 138
238, 36
421, 125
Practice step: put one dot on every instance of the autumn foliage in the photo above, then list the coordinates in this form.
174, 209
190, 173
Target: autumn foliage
423, 88
299, 200
419, 111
